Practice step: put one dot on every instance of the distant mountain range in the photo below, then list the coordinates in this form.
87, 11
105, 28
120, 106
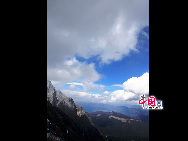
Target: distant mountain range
132, 110
67, 121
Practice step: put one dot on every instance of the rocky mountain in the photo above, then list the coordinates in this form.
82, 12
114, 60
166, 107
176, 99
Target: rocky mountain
67, 120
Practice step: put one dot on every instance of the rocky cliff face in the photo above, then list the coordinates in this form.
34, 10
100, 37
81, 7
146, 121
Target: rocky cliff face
66, 120
57, 98
80, 111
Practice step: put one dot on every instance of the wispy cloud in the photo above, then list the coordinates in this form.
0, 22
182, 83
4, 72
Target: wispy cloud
118, 85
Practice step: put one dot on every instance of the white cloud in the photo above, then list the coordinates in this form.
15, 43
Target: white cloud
76, 83
72, 86
138, 85
117, 85
105, 28
133, 88
120, 96
119, 42
83, 96
106, 92
90, 86
73, 70
86, 86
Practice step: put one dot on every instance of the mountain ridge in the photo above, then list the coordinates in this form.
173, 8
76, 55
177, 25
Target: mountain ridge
67, 120
57, 98
132, 111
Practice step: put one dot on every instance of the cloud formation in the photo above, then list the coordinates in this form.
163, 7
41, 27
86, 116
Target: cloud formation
137, 85
107, 29
88, 28
132, 89
71, 70
86, 86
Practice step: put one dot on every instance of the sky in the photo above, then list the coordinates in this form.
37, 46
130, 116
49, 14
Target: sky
98, 50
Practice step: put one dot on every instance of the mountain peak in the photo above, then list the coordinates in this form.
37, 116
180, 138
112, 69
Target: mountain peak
57, 98
66, 120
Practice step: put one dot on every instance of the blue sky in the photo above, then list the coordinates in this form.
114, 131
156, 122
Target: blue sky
98, 51
133, 65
